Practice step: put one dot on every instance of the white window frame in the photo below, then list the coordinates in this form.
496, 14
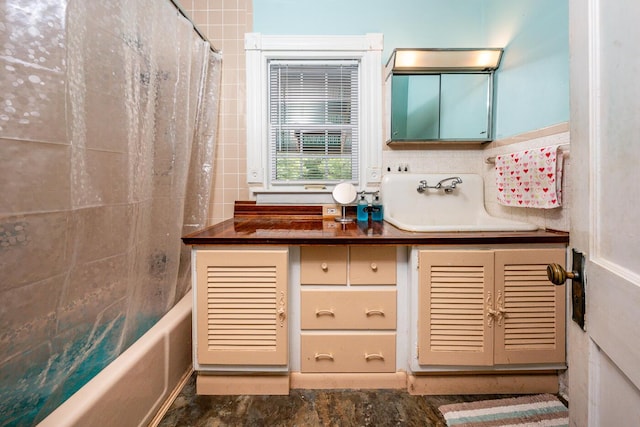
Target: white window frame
260, 49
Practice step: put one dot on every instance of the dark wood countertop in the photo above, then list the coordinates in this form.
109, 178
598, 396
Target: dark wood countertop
289, 226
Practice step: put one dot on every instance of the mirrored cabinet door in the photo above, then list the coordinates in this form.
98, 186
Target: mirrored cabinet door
415, 107
440, 107
464, 106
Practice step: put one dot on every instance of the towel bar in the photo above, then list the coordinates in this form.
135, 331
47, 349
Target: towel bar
492, 160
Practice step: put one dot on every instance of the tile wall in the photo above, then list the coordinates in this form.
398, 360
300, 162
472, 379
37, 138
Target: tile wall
433, 159
224, 23
440, 159
556, 218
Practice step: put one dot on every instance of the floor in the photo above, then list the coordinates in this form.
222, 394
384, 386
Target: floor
310, 408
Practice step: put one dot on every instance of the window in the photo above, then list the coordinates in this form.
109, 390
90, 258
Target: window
313, 121
314, 113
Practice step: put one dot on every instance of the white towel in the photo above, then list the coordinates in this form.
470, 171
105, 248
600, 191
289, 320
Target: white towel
531, 178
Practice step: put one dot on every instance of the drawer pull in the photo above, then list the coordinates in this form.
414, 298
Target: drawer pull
328, 356
325, 313
324, 266
374, 312
373, 356
374, 266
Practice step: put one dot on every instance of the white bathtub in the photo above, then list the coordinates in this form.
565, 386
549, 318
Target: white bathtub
132, 389
435, 210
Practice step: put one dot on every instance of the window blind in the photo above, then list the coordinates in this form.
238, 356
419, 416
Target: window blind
313, 121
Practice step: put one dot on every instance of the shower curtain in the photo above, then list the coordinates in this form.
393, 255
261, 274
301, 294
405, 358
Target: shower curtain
108, 120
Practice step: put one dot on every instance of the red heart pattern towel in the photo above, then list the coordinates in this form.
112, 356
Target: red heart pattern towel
531, 178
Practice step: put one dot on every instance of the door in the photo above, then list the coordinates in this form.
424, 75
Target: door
455, 301
530, 326
241, 307
604, 359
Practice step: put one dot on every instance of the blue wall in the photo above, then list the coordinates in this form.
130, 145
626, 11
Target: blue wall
532, 84
533, 80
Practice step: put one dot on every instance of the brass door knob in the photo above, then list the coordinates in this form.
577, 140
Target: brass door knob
558, 275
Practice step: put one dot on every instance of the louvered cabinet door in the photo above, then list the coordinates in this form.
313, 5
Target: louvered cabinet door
454, 290
241, 307
532, 326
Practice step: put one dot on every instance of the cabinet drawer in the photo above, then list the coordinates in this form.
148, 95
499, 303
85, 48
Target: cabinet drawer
323, 265
348, 353
372, 265
348, 309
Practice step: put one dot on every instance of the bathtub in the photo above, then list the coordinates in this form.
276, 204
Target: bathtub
136, 388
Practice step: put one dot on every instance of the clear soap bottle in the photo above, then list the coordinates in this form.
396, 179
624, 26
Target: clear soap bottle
376, 208
362, 209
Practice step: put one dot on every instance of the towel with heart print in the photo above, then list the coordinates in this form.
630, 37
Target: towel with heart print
531, 178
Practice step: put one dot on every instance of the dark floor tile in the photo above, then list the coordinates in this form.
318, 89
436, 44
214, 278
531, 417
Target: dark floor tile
336, 408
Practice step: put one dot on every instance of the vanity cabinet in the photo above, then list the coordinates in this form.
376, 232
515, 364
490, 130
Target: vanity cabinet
345, 327
438, 318
241, 308
490, 308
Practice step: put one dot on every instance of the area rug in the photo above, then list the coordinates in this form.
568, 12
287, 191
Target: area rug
539, 410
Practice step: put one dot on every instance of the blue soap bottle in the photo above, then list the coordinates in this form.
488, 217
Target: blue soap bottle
376, 208
362, 209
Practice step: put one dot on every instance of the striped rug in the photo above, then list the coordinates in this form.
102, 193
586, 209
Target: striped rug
539, 410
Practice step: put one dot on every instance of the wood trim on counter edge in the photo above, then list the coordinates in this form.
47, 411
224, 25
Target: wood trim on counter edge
434, 239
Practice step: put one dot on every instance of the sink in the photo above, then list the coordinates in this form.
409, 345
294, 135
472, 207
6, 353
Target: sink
436, 210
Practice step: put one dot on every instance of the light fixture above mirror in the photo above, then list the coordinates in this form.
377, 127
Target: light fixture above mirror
417, 60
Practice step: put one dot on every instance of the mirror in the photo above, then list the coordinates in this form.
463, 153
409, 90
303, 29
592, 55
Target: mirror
415, 107
344, 194
441, 107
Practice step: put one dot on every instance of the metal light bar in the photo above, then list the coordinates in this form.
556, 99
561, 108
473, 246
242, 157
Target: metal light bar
416, 60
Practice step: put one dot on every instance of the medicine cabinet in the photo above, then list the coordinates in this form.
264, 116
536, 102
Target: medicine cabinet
440, 95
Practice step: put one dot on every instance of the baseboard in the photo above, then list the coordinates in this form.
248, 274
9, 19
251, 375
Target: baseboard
516, 383
394, 380
215, 385
170, 399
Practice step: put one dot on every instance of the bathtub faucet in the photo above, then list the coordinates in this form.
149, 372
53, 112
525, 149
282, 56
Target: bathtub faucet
455, 180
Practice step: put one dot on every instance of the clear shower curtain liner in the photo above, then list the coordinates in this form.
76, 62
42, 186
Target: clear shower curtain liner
107, 143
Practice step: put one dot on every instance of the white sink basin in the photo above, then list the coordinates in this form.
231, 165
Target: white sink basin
434, 210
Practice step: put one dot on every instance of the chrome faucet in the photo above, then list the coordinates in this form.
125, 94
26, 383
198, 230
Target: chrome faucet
455, 180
